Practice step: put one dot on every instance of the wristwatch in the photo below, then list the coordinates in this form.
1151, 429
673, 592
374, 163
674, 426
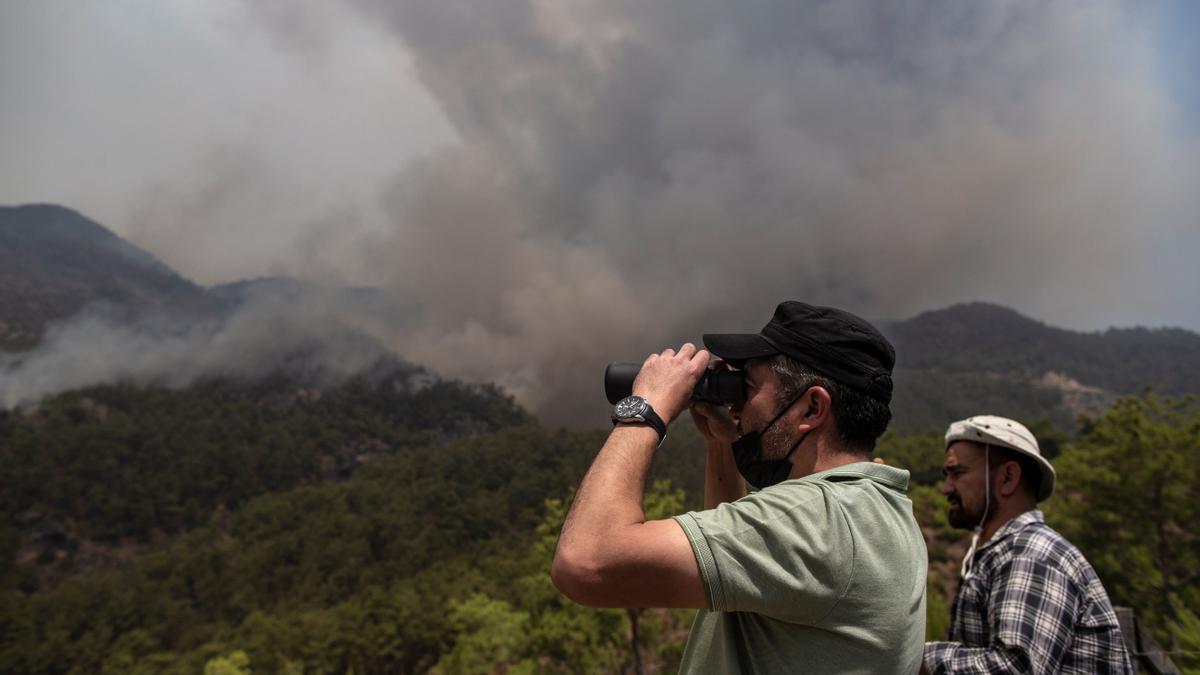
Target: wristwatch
635, 410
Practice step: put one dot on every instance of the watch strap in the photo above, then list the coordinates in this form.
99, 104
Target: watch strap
656, 423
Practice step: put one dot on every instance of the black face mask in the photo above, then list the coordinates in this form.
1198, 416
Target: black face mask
747, 454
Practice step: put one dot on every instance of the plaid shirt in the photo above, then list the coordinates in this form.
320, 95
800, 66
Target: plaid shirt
1031, 604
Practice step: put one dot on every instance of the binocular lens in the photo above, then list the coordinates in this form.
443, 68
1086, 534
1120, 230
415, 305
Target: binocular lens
724, 387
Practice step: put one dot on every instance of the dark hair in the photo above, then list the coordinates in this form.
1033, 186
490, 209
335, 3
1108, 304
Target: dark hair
1031, 473
859, 419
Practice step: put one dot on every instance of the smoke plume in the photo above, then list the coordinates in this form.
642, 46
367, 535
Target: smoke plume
634, 174
622, 175
263, 336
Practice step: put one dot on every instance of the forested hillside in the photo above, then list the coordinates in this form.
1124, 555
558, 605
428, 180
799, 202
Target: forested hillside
436, 558
388, 570
985, 338
93, 476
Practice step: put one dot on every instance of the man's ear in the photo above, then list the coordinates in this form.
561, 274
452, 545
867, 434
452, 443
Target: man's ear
819, 406
1009, 474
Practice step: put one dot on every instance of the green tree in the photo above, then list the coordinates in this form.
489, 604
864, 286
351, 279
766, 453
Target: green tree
489, 634
921, 454
567, 637
1127, 497
236, 663
937, 614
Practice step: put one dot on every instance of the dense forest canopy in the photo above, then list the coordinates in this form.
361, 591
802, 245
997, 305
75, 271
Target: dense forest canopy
383, 527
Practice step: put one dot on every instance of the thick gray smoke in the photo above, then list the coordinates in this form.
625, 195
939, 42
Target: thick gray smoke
621, 175
633, 174
263, 336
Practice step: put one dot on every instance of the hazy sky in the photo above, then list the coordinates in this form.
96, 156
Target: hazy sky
557, 183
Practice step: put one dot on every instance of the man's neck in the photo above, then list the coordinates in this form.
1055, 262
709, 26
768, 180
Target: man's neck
1000, 518
822, 457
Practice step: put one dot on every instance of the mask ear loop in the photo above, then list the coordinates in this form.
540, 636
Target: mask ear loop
775, 419
969, 558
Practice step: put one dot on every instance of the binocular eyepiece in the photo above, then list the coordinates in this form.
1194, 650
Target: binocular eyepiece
722, 387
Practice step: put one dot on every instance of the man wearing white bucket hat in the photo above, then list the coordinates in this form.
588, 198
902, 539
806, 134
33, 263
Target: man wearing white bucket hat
1029, 602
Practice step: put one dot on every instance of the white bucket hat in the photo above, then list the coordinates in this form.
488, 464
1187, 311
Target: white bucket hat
1005, 433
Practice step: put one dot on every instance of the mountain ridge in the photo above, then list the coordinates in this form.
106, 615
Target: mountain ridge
1057, 372
54, 262
954, 361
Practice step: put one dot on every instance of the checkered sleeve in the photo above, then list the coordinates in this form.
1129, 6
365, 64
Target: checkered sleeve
1032, 612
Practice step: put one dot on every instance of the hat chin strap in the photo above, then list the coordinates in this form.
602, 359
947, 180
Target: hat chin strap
969, 559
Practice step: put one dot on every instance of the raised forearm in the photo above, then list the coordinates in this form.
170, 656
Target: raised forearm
722, 481
608, 555
610, 496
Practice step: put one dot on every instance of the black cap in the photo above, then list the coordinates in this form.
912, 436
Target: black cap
831, 341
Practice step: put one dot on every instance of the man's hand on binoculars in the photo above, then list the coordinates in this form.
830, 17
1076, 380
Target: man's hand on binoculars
714, 422
667, 379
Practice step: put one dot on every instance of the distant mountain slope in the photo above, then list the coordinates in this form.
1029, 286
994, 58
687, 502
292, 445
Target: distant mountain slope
951, 362
54, 262
980, 357
982, 337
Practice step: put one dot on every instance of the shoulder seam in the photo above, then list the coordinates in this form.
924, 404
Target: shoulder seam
818, 494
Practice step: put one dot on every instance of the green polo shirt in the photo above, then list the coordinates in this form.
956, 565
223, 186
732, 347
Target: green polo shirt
820, 574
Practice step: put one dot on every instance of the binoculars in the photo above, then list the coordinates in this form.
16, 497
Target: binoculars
722, 387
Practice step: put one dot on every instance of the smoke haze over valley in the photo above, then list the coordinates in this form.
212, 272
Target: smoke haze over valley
538, 188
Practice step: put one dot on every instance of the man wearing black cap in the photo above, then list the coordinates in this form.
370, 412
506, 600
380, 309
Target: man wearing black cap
822, 569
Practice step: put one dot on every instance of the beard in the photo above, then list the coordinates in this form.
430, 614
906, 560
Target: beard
963, 518
775, 443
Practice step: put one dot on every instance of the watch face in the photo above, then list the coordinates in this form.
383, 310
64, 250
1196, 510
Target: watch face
630, 407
